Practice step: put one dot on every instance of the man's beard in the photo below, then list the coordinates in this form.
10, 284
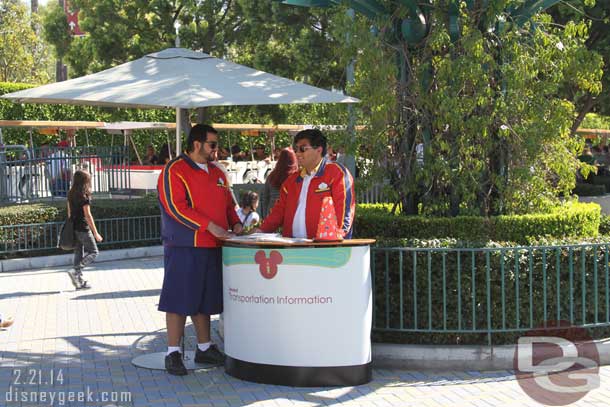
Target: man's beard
204, 156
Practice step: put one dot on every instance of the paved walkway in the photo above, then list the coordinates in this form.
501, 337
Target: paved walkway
75, 348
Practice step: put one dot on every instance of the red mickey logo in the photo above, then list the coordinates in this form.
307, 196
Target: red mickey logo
268, 266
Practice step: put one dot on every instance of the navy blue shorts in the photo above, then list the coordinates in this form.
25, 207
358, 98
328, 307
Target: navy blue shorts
192, 283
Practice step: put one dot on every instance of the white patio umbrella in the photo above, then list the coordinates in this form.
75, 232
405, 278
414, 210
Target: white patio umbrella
178, 78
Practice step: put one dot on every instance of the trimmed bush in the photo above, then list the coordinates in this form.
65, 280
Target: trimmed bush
372, 220
573, 219
56, 211
118, 208
25, 214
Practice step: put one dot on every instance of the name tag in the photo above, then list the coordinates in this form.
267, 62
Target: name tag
323, 187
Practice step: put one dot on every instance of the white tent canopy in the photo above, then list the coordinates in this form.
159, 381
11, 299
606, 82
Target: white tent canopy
178, 78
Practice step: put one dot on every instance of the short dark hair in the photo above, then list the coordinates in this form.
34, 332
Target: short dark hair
199, 133
316, 138
248, 198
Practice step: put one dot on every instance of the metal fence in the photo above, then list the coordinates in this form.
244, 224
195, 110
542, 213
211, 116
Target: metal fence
372, 195
33, 174
490, 290
43, 236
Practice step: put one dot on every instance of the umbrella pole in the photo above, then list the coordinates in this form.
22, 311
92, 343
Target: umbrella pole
272, 145
178, 131
133, 145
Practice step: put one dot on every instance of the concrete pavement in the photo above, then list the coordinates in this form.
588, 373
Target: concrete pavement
75, 348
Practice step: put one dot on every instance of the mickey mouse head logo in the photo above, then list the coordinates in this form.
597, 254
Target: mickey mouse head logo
268, 266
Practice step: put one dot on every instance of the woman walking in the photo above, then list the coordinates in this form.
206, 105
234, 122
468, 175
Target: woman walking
85, 232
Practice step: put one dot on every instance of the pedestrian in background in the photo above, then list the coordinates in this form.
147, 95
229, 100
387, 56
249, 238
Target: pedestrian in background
85, 232
285, 166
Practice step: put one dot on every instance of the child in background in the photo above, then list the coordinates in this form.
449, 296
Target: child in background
247, 211
85, 232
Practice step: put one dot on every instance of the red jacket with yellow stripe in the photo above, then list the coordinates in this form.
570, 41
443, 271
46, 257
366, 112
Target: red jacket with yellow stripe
190, 198
331, 179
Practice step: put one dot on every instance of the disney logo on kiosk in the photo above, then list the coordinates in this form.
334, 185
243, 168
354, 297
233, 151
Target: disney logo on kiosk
268, 266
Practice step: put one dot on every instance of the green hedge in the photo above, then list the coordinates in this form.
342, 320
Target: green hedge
573, 219
25, 214
372, 221
101, 208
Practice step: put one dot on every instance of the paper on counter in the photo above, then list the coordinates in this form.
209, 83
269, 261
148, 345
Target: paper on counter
268, 237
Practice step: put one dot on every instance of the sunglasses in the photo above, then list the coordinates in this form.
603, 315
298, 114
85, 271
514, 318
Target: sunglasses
212, 144
302, 148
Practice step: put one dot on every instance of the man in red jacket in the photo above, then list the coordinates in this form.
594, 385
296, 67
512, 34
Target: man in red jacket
302, 194
196, 211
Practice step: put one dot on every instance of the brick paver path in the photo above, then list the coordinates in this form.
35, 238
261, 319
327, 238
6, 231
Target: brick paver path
75, 348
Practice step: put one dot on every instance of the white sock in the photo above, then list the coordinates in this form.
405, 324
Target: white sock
171, 349
204, 346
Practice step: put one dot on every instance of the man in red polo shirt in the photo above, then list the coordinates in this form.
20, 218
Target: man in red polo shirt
302, 194
196, 211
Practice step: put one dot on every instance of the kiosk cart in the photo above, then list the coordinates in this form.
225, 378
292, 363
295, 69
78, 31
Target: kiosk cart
298, 313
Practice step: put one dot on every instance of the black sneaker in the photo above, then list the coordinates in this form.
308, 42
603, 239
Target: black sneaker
211, 356
84, 285
174, 364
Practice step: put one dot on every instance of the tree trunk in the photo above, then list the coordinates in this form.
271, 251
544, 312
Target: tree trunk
587, 105
61, 71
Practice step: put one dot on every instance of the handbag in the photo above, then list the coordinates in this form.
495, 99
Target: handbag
65, 241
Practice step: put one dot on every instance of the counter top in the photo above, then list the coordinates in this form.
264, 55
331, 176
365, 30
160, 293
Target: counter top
297, 243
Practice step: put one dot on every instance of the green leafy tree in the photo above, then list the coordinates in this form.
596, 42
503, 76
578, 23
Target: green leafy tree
596, 14
467, 110
23, 56
292, 42
117, 32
